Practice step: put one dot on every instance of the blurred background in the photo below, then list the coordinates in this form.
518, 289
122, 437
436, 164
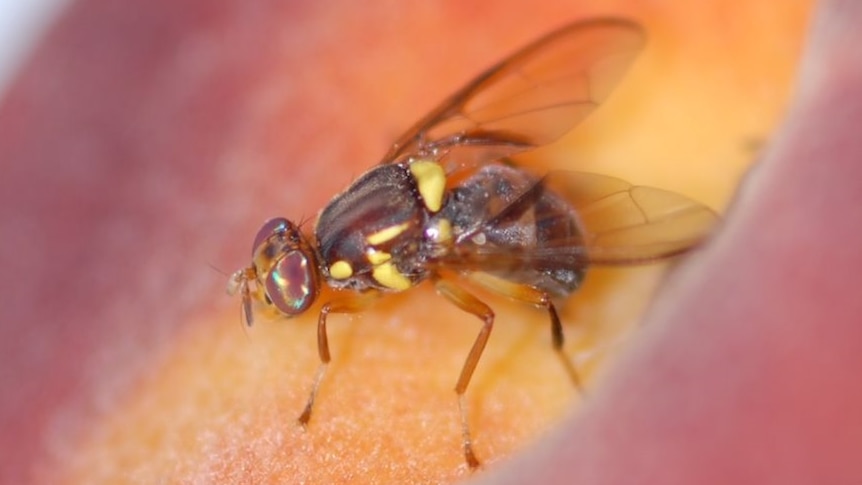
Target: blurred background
22, 24
142, 142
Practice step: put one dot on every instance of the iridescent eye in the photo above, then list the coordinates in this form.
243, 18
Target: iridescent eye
290, 283
270, 227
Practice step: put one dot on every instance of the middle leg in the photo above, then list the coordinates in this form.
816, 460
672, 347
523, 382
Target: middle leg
539, 298
352, 304
470, 304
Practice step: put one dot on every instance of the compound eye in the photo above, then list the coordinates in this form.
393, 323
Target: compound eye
290, 284
270, 227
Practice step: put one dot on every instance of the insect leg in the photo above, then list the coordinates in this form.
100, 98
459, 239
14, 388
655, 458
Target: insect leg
470, 304
239, 282
537, 297
246, 304
353, 304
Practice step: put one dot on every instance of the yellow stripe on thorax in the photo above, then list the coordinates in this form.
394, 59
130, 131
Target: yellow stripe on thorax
431, 181
387, 234
388, 275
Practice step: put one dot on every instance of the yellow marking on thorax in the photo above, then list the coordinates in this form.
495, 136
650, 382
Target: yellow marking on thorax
388, 275
341, 270
431, 181
387, 234
377, 257
440, 232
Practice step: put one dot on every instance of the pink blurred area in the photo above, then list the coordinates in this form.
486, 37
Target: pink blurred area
144, 141
118, 189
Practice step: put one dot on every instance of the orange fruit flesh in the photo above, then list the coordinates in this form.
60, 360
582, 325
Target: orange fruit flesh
214, 404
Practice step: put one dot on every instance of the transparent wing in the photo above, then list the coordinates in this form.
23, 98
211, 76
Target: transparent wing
617, 224
529, 99
625, 224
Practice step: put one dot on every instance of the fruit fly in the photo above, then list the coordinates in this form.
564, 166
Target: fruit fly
448, 205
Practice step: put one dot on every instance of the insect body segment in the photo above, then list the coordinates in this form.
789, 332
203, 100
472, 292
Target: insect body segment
447, 204
283, 270
374, 233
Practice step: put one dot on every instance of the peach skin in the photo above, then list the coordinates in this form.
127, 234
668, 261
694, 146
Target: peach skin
142, 144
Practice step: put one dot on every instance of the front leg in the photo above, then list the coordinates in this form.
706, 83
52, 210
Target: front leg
351, 304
